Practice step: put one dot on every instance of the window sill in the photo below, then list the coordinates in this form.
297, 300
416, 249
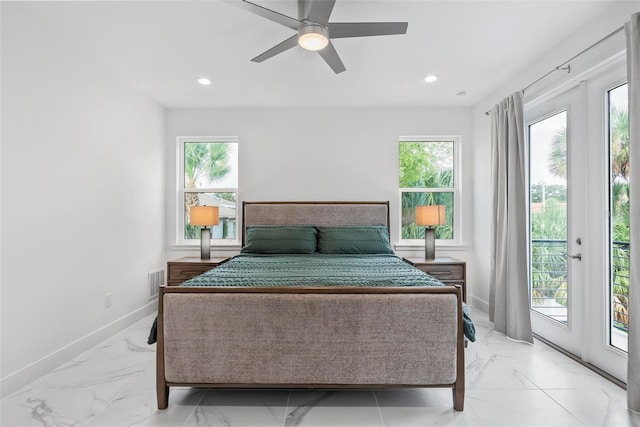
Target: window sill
407, 247
231, 246
234, 246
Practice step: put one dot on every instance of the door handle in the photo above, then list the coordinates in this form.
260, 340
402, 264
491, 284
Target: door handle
577, 256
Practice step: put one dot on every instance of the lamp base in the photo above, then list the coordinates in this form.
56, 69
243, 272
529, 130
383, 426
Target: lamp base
429, 243
205, 243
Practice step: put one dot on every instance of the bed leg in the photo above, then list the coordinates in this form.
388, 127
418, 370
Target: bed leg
459, 384
458, 398
162, 390
163, 395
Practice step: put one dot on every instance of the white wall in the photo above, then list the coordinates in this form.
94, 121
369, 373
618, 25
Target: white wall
83, 208
323, 154
607, 22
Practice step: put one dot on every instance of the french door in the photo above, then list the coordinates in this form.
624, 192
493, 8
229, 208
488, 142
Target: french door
578, 211
556, 221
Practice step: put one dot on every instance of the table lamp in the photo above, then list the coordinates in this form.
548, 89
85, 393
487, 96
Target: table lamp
204, 216
430, 216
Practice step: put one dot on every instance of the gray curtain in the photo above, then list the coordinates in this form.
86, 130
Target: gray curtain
632, 28
509, 292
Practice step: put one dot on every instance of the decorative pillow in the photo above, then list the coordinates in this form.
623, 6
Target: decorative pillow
361, 239
279, 239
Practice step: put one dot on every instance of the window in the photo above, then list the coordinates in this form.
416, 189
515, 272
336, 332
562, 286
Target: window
208, 176
429, 175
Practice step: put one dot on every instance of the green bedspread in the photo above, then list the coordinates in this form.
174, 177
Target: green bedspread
320, 270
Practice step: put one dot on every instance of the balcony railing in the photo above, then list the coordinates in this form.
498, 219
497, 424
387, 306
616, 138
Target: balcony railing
620, 289
549, 280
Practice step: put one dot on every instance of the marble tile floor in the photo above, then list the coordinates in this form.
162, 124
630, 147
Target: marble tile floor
508, 384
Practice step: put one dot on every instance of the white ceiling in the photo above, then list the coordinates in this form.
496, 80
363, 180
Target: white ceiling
162, 47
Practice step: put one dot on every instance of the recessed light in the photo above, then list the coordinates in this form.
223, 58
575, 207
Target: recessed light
204, 81
431, 78
461, 93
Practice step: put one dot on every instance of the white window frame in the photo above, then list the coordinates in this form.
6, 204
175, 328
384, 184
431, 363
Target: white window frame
456, 190
180, 191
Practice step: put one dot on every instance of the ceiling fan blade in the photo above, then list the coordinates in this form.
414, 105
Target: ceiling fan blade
320, 11
339, 30
269, 14
331, 57
279, 48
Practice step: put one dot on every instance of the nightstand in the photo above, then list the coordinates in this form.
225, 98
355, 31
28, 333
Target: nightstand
185, 268
449, 270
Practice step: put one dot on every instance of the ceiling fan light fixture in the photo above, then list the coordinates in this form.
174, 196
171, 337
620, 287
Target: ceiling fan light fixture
312, 29
313, 37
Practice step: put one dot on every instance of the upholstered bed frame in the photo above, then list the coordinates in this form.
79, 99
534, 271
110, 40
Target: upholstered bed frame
230, 337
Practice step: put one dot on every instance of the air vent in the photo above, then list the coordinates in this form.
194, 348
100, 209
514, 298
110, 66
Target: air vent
155, 279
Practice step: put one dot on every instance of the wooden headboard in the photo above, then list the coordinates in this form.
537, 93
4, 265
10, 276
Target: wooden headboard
314, 213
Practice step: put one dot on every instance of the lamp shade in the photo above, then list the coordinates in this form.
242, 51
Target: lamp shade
203, 215
430, 215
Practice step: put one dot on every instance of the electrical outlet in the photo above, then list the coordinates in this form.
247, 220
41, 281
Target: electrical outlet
107, 300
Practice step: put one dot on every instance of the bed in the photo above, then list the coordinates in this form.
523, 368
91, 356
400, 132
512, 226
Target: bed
293, 310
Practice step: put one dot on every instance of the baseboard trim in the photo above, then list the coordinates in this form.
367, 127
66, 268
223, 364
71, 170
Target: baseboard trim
15, 381
480, 304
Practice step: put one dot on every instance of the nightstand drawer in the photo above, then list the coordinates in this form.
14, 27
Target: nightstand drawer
450, 271
181, 272
186, 268
444, 272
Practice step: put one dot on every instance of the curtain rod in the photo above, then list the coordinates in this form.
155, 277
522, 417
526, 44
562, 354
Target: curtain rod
565, 65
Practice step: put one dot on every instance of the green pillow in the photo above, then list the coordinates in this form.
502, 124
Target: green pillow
278, 239
361, 239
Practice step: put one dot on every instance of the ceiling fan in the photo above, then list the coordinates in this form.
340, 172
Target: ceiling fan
314, 31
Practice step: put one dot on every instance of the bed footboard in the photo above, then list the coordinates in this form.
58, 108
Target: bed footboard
310, 338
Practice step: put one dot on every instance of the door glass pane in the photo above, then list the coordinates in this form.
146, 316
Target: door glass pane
619, 205
548, 208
